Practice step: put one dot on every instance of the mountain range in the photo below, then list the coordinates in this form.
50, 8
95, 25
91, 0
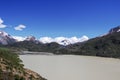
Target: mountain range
6, 39
107, 45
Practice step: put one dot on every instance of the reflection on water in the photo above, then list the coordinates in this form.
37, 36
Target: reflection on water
70, 67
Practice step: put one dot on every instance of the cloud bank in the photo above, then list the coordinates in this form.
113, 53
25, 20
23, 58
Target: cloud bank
1, 24
20, 27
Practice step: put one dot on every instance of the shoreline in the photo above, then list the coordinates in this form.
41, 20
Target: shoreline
70, 55
34, 53
52, 54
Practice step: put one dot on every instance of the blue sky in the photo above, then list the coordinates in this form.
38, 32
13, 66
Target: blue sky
55, 18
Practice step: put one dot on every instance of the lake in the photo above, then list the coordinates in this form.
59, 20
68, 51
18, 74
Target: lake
71, 67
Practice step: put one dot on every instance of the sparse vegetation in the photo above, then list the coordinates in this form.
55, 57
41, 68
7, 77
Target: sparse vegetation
11, 67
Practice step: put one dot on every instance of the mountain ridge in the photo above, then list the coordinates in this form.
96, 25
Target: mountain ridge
104, 46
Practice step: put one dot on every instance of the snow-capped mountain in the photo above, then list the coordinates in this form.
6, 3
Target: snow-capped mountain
113, 30
73, 40
63, 40
30, 38
5, 38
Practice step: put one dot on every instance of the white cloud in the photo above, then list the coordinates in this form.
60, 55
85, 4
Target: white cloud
1, 24
20, 27
63, 40
19, 38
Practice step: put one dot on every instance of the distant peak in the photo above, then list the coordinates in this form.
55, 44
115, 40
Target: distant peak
5, 38
4, 33
30, 38
115, 29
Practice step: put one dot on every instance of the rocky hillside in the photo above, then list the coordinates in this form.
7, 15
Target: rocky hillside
11, 68
33, 46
